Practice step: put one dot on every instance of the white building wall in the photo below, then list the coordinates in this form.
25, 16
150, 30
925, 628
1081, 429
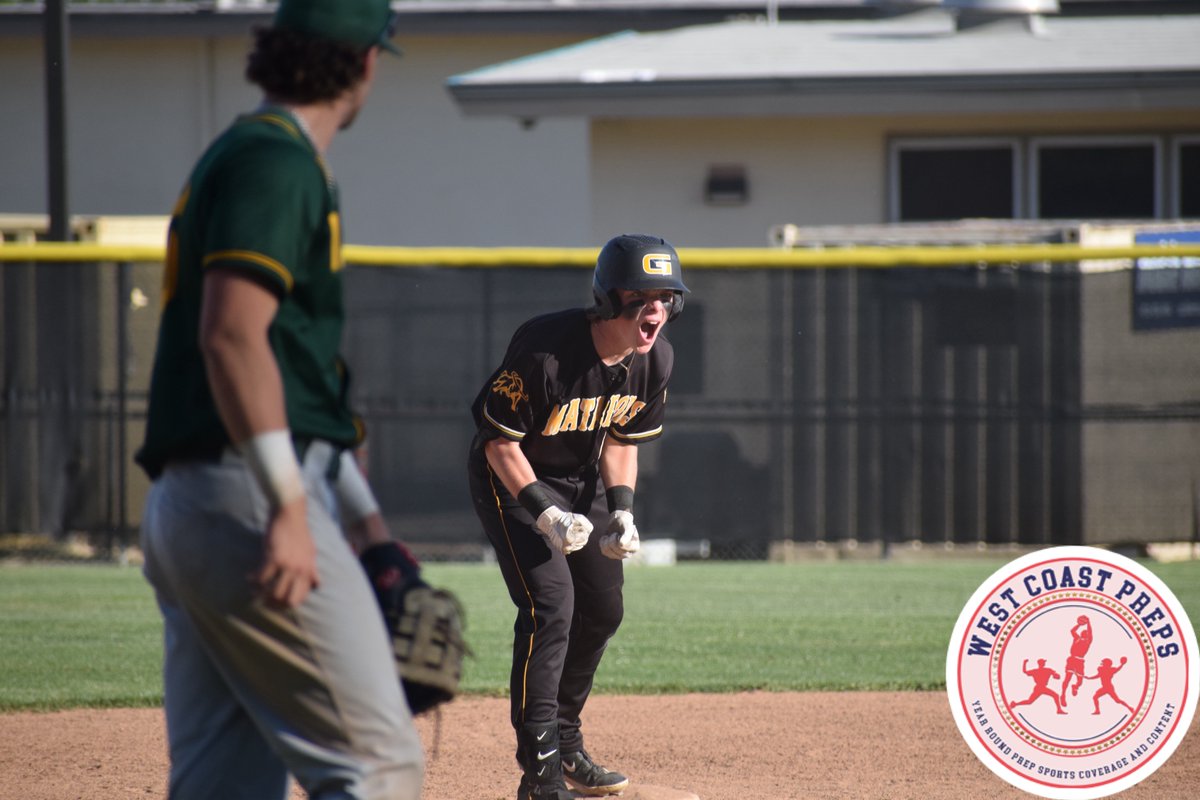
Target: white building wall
416, 171
22, 127
413, 170
650, 174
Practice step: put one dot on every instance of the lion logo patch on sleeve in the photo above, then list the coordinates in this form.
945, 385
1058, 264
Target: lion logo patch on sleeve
510, 386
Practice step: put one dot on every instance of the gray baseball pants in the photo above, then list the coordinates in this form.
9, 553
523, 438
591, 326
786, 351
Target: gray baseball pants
254, 693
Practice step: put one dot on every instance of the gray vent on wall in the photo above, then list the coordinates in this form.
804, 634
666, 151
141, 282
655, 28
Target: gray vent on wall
974, 13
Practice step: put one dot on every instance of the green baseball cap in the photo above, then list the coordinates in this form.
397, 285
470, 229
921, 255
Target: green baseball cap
362, 23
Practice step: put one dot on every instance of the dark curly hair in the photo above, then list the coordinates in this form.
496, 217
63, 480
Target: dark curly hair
296, 68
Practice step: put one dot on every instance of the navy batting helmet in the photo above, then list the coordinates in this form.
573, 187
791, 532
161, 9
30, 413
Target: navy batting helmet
635, 262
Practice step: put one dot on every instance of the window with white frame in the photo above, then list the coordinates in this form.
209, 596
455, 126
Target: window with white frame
941, 179
1186, 194
1044, 177
1095, 178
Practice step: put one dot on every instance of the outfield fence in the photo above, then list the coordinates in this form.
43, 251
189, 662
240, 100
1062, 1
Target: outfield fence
857, 387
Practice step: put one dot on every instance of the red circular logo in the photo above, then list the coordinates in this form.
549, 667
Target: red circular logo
1072, 673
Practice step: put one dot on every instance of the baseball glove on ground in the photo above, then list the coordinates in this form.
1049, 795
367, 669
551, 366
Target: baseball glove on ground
424, 623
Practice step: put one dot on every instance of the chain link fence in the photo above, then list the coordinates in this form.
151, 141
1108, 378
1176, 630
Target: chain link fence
838, 407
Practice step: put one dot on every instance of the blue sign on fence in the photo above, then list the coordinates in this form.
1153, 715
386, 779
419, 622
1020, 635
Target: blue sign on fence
1166, 289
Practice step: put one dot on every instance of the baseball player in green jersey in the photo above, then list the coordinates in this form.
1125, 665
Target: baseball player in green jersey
276, 659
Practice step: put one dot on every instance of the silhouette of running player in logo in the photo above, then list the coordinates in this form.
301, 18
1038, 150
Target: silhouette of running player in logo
1105, 673
1081, 641
1041, 684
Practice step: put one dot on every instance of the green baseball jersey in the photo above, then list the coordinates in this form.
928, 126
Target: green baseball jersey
260, 201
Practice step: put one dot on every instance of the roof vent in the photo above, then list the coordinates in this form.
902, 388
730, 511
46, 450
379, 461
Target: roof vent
973, 13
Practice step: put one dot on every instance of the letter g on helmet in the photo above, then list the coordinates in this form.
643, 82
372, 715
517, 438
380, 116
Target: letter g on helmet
635, 262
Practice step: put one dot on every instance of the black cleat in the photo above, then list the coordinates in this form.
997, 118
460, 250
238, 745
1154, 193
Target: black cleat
589, 778
532, 791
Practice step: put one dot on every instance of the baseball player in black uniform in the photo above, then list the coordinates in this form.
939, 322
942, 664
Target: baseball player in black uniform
552, 469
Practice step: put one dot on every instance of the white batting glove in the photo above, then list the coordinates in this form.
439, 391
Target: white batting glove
564, 531
621, 539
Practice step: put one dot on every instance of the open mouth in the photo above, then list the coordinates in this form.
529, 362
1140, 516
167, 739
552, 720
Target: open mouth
649, 329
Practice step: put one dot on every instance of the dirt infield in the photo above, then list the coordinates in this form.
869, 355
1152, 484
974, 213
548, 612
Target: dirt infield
719, 747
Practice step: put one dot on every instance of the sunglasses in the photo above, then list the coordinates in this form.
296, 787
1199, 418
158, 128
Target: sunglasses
637, 304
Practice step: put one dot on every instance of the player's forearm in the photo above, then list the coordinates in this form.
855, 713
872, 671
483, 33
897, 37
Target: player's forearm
248, 394
365, 523
245, 382
564, 530
619, 464
246, 387
510, 464
367, 531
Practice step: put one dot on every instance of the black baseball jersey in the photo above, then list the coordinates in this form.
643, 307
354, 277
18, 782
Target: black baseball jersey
555, 396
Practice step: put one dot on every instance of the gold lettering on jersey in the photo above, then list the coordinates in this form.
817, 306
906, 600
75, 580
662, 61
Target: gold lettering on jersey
555, 422
630, 413
656, 263
620, 407
336, 261
171, 266
571, 418
510, 386
606, 417
591, 413
588, 408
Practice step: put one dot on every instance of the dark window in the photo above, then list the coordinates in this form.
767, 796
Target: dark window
1189, 180
956, 183
1081, 181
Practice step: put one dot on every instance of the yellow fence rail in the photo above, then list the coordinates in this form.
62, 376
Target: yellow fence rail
693, 258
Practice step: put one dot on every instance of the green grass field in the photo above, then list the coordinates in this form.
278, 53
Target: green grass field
75, 635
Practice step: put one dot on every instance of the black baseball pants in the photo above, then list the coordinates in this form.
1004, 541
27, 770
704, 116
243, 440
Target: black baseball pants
568, 607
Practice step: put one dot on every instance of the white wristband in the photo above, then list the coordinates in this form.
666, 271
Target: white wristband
272, 459
353, 493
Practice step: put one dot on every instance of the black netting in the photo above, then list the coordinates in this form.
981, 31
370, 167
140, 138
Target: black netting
948, 406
